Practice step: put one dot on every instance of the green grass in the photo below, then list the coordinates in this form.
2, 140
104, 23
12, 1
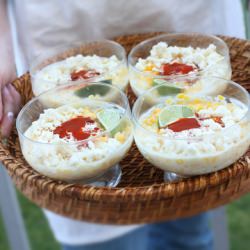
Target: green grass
239, 223
3, 239
245, 6
41, 237
36, 225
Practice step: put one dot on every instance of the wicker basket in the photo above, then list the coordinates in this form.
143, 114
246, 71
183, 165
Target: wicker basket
142, 196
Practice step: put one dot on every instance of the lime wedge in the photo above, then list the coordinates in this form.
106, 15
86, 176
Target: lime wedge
119, 127
166, 88
94, 90
173, 113
109, 118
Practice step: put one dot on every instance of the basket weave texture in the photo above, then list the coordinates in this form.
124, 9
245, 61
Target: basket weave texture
142, 196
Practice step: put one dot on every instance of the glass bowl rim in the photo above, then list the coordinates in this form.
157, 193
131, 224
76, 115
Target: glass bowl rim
140, 98
126, 112
148, 74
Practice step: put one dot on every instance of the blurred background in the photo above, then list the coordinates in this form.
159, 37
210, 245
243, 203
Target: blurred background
41, 238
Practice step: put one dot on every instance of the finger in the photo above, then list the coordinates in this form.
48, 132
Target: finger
16, 97
1, 105
8, 117
7, 124
12, 90
8, 101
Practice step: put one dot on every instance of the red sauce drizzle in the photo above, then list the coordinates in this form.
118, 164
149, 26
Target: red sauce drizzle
75, 127
184, 124
83, 74
176, 68
216, 119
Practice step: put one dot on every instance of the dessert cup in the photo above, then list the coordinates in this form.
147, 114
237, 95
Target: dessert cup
183, 54
187, 135
79, 140
102, 60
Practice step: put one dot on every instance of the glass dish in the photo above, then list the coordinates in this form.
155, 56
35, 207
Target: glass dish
54, 145
183, 149
212, 61
101, 60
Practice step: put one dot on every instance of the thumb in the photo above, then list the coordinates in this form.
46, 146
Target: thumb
8, 120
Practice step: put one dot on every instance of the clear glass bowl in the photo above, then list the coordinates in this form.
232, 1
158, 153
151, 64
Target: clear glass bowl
57, 65
182, 154
90, 160
141, 81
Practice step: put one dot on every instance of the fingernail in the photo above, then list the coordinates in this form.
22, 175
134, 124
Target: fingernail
10, 115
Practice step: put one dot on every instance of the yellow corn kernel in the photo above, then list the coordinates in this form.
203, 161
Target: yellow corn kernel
150, 120
120, 137
149, 67
199, 107
169, 101
103, 138
196, 101
209, 104
156, 111
221, 97
183, 96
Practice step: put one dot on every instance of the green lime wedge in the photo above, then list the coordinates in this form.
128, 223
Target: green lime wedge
166, 88
94, 90
109, 118
108, 81
123, 123
173, 113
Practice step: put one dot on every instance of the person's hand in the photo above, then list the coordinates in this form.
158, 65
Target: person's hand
10, 104
10, 100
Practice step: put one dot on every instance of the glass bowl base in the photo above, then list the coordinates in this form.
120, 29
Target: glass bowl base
173, 177
110, 178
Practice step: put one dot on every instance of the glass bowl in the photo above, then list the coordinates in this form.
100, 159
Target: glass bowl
101, 60
175, 55
187, 135
79, 139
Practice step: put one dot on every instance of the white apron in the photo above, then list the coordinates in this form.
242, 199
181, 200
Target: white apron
47, 23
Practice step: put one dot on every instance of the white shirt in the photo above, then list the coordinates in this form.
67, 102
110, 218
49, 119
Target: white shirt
44, 24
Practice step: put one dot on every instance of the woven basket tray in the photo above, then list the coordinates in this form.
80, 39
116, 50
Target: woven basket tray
141, 196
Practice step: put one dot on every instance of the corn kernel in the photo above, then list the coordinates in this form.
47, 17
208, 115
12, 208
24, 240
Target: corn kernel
149, 67
182, 96
156, 111
120, 137
169, 101
197, 101
220, 97
103, 138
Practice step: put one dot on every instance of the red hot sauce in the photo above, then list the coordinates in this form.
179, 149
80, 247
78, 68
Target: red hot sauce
84, 74
75, 127
184, 124
176, 68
